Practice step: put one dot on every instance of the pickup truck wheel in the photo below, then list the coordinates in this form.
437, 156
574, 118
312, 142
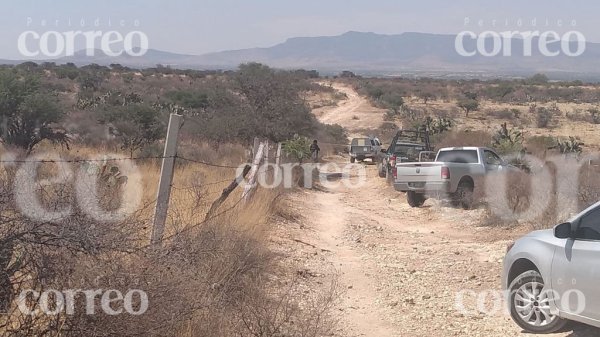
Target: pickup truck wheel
415, 199
530, 304
382, 169
352, 160
463, 196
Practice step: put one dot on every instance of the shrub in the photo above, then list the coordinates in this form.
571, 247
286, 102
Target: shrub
594, 115
544, 117
537, 79
134, 126
332, 133
189, 99
298, 148
393, 101
500, 91
468, 105
578, 116
28, 114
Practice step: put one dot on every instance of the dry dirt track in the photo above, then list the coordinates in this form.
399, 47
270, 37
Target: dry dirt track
354, 113
400, 268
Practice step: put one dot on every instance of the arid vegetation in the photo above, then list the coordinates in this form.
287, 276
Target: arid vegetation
215, 274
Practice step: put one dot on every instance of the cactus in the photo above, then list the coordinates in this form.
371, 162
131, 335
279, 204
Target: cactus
508, 140
506, 135
437, 126
568, 146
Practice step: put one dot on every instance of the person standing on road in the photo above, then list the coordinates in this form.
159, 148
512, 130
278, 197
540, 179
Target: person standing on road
314, 151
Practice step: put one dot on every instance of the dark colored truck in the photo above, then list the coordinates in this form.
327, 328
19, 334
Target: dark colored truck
407, 146
365, 148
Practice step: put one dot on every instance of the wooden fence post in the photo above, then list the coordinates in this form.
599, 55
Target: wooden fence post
252, 175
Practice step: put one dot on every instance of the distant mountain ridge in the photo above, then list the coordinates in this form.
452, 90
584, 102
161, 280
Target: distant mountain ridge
371, 53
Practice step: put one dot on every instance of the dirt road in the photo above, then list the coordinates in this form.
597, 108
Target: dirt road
404, 271
355, 113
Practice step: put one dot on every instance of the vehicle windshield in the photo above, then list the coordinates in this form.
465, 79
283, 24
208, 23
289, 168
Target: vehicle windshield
458, 156
408, 150
361, 142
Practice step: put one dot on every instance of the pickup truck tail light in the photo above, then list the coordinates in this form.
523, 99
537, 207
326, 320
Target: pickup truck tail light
394, 172
393, 161
445, 172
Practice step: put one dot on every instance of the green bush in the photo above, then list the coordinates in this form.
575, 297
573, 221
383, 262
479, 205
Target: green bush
29, 114
134, 126
298, 148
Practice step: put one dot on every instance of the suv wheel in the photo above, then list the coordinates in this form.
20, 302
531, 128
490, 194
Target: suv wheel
463, 196
530, 304
415, 199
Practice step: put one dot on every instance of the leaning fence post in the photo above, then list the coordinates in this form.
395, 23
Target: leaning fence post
166, 178
252, 176
226, 192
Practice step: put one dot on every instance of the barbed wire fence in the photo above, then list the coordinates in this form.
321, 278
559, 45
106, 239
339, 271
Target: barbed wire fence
245, 172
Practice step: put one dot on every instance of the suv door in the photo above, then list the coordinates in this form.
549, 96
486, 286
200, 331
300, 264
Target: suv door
576, 269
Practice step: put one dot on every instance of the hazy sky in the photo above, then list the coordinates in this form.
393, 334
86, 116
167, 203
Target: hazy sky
196, 27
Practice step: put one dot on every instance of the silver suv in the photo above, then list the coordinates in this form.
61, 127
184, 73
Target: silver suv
553, 276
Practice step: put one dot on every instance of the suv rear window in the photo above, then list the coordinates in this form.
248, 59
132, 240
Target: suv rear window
361, 142
458, 156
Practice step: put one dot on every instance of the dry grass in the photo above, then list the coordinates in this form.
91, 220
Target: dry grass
211, 278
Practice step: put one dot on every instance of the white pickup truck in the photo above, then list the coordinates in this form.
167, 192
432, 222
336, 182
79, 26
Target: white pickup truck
453, 174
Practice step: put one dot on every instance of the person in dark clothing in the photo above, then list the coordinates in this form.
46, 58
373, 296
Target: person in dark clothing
314, 151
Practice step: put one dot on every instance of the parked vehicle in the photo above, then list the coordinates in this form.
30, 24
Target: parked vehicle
365, 148
552, 275
407, 146
453, 174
